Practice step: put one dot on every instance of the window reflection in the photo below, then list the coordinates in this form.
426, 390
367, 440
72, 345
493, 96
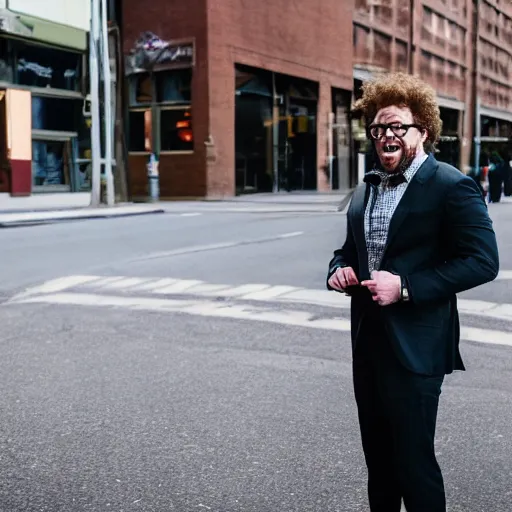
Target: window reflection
50, 163
48, 67
44, 109
142, 90
174, 86
140, 133
176, 130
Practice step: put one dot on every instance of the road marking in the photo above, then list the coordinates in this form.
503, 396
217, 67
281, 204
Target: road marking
178, 286
243, 290
213, 247
486, 336
154, 284
122, 284
235, 311
194, 307
107, 282
196, 214
270, 293
291, 235
250, 292
60, 284
504, 275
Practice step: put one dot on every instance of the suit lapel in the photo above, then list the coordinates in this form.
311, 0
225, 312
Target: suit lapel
356, 213
412, 195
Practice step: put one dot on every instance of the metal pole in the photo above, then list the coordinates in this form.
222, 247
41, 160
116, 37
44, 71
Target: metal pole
411, 38
107, 91
478, 131
476, 70
95, 106
330, 144
275, 138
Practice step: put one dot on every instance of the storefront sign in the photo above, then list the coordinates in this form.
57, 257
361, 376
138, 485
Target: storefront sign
151, 52
12, 24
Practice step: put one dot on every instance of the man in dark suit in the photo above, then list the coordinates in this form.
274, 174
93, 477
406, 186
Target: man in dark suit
418, 233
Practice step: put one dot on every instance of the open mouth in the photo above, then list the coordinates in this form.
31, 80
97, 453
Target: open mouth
391, 148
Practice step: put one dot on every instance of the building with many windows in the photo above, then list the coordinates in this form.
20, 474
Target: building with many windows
463, 48
493, 72
45, 143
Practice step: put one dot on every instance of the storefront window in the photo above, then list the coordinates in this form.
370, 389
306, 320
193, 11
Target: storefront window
40, 66
141, 90
174, 86
50, 163
171, 109
176, 130
44, 116
6, 73
140, 131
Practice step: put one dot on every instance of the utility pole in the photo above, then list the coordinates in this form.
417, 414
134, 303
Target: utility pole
476, 76
107, 113
410, 63
95, 105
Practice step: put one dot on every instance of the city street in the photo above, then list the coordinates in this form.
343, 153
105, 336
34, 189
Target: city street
193, 361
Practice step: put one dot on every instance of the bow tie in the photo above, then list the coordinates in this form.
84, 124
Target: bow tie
386, 179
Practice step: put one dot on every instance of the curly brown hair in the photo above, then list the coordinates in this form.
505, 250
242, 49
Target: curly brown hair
401, 89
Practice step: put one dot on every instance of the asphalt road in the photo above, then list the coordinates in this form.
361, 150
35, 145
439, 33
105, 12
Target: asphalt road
162, 408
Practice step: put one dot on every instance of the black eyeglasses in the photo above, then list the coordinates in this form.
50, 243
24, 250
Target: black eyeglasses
377, 131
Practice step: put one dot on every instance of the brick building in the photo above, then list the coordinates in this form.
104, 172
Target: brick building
463, 48
493, 69
250, 104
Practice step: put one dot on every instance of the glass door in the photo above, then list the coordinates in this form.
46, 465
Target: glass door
54, 163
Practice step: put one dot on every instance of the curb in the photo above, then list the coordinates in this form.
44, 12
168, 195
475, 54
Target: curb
345, 201
86, 216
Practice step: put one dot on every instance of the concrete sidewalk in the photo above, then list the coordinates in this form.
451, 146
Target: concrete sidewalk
43, 209
18, 218
335, 198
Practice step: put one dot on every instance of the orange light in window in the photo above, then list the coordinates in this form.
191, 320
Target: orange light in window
185, 135
183, 124
187, 114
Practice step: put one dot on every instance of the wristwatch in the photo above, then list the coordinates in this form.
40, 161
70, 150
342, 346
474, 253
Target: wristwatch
404, 295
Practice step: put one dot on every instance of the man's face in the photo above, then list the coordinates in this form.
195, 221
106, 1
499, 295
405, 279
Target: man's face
396, 150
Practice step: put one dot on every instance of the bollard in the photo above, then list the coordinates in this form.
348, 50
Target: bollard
153, 178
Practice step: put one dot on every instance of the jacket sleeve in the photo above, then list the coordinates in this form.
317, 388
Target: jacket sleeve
344, 257
475, 258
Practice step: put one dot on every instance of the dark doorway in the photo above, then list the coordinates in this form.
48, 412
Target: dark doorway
253, 130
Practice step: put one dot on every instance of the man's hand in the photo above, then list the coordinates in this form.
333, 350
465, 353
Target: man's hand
342, 278
386, 288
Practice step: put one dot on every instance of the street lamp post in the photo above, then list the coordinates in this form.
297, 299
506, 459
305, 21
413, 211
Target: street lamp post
95, 105
107, 92
99, 39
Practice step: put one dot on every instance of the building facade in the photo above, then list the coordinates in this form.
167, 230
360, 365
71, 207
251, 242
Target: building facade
43, 61
245, 97
493, 72
462, 48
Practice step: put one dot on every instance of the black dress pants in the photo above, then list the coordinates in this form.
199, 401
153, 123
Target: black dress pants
397, 416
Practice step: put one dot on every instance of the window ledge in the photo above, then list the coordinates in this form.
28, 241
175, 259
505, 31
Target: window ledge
183, 152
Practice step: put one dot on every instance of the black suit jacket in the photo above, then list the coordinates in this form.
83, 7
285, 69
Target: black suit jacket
441, 240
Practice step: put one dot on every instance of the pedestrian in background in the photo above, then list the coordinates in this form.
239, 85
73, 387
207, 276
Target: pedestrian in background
496, 177
418, 233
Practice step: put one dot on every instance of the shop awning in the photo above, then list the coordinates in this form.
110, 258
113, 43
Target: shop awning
247, 83
29, 27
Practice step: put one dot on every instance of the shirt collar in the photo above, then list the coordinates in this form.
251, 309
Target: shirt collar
382, 178
415, 165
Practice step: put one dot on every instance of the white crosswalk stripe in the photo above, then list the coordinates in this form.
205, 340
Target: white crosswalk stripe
132, 293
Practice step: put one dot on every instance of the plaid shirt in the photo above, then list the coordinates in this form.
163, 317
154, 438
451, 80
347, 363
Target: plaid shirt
382, 204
